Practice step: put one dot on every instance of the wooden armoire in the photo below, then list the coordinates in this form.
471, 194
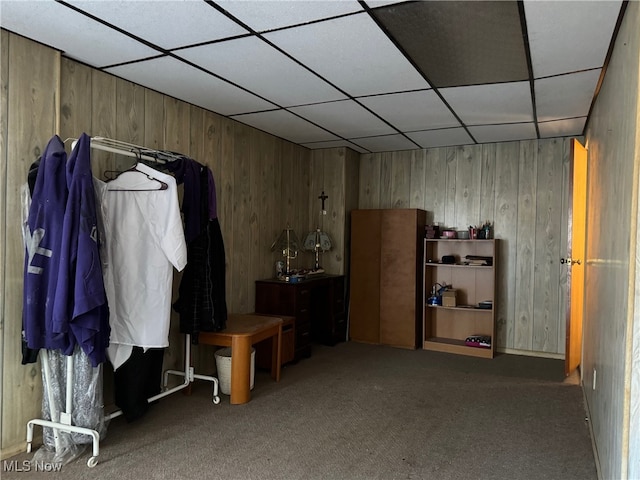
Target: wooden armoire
386, 276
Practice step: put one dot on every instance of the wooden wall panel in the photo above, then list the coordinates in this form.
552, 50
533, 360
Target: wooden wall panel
547, 246
564, 240
241, 218
75, 99
225, 188
176, 126
488, 196
154, 119
103, 119
4, 113
505, 222
31, 83
522, 195
334, 221
370, 181
400, 173
418, 190
129, 112
612, 319
435, 183
467, 187
451, 172
525, 253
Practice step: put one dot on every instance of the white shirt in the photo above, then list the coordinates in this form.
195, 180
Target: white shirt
143, 241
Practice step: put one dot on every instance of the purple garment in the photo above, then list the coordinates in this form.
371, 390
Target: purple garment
81, 302
42, 259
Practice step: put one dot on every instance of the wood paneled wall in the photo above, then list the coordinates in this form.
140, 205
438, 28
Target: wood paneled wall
29, 118
612, 294
335, 172
521, 188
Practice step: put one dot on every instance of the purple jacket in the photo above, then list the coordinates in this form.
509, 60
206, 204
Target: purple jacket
42, 258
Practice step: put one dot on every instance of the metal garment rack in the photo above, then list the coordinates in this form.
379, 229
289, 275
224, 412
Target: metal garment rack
62, 421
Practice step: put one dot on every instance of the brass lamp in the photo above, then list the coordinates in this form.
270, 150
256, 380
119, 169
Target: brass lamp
317, 241
287, 243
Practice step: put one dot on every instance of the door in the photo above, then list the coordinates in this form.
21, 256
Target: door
575, 260
364, 303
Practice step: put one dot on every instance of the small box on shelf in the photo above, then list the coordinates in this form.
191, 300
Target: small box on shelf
449, 298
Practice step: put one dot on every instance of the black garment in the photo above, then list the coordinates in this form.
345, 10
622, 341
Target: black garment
30, 355
137, 380
202, 303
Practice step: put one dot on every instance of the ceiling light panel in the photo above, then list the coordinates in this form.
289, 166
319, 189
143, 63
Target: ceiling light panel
268, 15
569, 36
457, 43
503, 133
441, 138
491, 104
78, 37
565, 96
387, 143
412, 110
182, 81
251, 63
168, 24
352, 53
562, 128
344, 118
285, 125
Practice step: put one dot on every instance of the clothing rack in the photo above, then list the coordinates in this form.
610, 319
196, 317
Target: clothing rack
131, 150
62, 421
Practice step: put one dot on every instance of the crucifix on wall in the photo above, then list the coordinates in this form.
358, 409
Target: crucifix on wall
323, 197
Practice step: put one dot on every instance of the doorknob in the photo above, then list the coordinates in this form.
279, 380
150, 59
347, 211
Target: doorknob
570, 261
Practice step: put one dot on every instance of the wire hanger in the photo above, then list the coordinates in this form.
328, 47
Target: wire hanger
134, 169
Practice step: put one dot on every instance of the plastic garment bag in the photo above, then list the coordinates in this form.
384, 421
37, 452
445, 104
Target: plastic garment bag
72, 392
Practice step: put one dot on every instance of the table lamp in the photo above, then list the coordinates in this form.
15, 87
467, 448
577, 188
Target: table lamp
317, 241
287, 243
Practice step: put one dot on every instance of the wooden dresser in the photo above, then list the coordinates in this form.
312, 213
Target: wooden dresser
317, 303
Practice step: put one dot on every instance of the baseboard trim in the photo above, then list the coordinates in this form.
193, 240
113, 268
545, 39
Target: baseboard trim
530, 353
594, 447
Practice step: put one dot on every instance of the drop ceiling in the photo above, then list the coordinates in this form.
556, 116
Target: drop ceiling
370, 75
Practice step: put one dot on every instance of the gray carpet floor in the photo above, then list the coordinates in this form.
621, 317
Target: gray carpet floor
357, 411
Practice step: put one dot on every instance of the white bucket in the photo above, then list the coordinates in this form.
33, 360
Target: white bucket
223, 365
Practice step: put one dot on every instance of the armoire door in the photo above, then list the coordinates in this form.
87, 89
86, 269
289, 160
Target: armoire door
364, 303
400, 285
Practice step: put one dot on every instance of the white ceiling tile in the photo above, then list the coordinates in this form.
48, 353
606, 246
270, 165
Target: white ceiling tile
503, 133
441, 138
495, 103
162, 22
251, 63
565, 96
569, 36
80, 37
353, 53
412, 110
386, 143
285, 125
268, 15
333, 144
187, 83
344, 118
562, 128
